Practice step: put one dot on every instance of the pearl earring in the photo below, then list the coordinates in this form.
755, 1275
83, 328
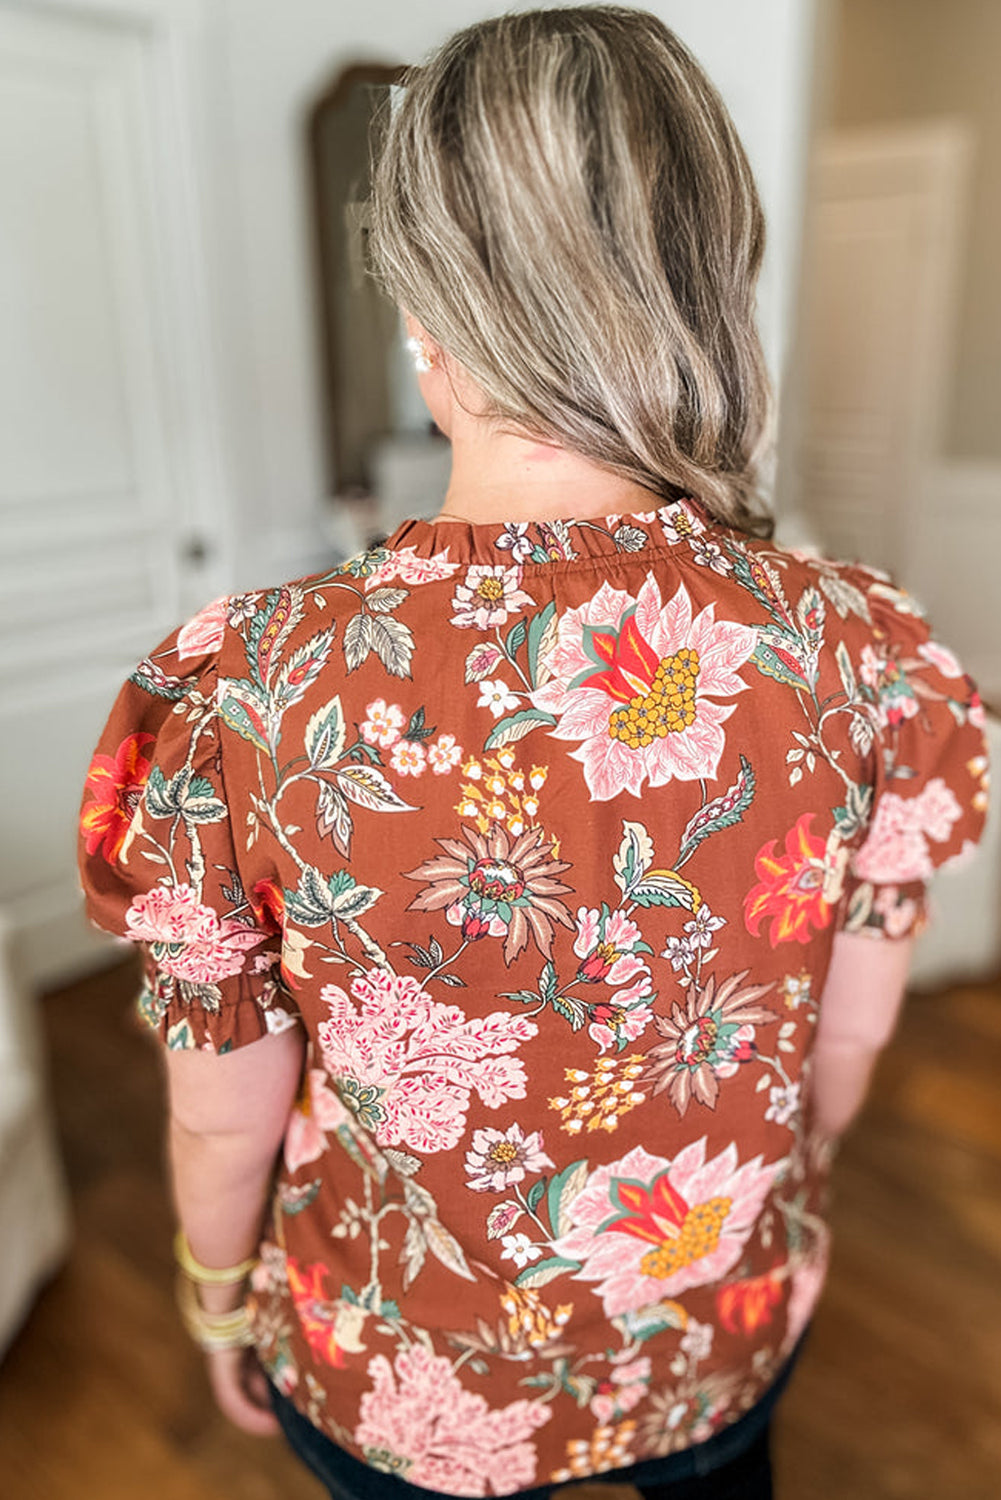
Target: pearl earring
422, 359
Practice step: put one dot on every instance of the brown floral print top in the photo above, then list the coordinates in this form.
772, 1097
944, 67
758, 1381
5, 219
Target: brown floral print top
543, 833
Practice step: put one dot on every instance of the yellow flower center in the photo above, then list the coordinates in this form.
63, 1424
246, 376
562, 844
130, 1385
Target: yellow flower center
668, 708
698, 1235
491, 589
503, 1152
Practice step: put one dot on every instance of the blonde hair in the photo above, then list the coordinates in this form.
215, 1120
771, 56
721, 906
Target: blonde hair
562, 201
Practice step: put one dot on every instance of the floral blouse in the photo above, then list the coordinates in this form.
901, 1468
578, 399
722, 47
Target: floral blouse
542, 832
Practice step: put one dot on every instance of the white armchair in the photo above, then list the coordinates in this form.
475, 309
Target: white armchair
34, 1205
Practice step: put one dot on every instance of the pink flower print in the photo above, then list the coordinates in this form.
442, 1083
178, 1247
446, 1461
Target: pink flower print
419, 1423
316, 1111
205, 631
731, 1051
605, 945
285, 1377
476, 924
444, 754
647, 1228
941, 658
937, 809
634, 680
409, 568
487, 595
622, 1018
498, 1159
808, 1277
408, 757
698, 1338
502, 1218
187, 939
896, 849
405, 1065
899, 915
383, 723
872, 664
620, 1391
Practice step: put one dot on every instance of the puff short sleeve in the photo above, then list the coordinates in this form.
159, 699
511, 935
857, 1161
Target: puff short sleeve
928, 793
157, 854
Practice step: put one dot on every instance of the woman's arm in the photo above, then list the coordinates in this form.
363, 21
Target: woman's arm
858, 1013
227, 1121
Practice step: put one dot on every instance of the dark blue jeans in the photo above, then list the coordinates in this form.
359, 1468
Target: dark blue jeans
735, 1464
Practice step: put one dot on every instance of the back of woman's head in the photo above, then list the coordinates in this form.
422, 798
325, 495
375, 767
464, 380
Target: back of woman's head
563, 203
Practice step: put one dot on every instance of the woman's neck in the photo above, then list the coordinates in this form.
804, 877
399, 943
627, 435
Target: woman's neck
499, 476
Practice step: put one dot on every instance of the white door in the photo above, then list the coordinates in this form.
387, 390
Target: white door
98, 445
881, 256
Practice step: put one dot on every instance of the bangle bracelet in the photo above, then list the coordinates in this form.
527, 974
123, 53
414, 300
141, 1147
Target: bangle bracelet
212, 1331
206, 1275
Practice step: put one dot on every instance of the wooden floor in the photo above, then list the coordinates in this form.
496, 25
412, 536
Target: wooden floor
898, 1396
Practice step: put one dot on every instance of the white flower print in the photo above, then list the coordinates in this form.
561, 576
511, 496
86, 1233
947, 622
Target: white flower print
784, 1103
496, 696
680, 523
498, 1159
408, 757
698, 1340
680, 951
702, 926
488, 594
519, 1248
383, 723
711, 555
444, 754
514, 539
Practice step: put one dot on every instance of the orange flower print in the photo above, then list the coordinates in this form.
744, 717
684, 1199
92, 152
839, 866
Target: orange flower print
744, 1306
115, 783
798, 889
317, 1312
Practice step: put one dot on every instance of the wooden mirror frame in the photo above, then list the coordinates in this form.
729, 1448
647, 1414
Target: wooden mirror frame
345, 470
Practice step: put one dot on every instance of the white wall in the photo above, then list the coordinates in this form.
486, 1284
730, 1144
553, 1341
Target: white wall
270, 60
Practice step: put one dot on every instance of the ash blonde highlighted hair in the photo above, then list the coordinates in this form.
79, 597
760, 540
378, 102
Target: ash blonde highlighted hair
562, 201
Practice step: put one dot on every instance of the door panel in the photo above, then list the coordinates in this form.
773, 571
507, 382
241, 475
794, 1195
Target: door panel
92, 510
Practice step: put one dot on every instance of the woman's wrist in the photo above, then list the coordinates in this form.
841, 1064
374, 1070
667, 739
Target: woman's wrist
222, 1299
216, 1289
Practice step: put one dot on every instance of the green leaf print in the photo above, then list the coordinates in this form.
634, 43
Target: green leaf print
721, 812
545, 1271
666, 888
634, 856
325, 735
515, 727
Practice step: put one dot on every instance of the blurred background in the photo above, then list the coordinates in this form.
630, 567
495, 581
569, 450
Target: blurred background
201, 393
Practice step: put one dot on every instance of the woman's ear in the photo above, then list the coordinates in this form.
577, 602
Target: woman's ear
433, 378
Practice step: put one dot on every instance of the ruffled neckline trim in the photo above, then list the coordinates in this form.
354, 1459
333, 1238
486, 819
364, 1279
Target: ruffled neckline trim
547, 544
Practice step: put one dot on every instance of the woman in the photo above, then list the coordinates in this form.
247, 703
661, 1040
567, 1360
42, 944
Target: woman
525, 902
